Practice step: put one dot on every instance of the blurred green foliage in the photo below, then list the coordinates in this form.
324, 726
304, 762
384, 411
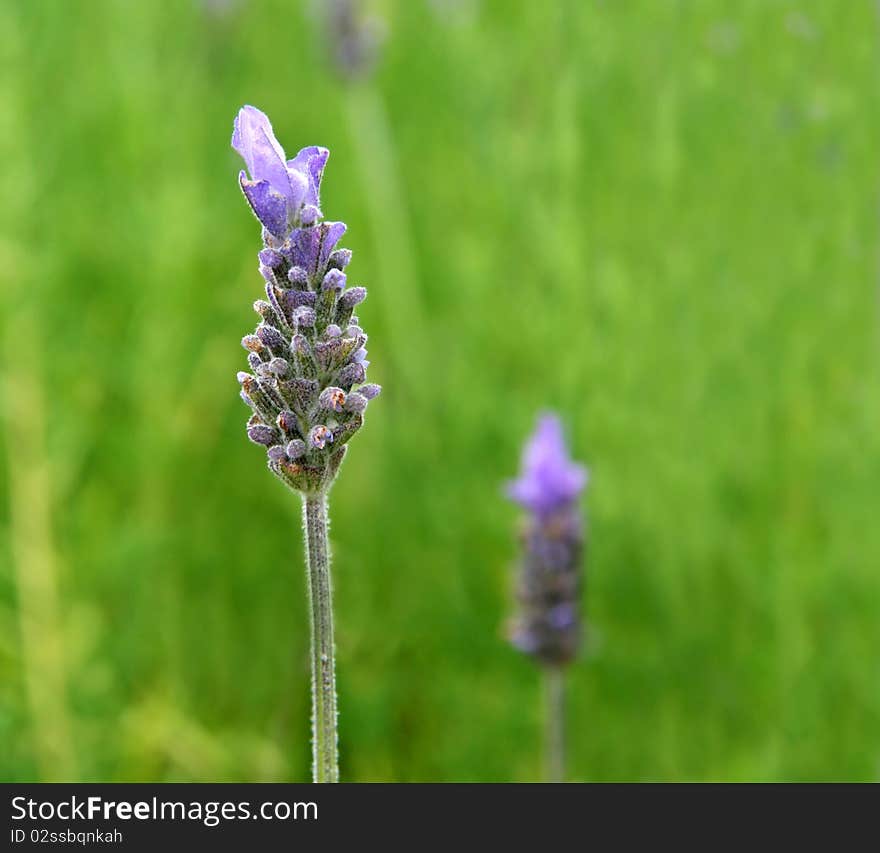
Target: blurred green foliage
658, 218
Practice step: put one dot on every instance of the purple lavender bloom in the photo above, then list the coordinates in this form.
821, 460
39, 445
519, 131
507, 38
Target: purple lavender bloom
353, 38
549, 480
304, 365
278, 190
547, 625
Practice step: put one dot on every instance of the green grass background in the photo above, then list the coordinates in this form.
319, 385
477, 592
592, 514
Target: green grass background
658, 218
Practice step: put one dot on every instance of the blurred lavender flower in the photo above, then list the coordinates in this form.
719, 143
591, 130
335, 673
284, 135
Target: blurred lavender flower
353, 38
548, 624
308, 348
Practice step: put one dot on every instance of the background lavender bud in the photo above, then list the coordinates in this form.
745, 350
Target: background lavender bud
339, 259
353, 38
370, 390
333, 280
262, 434
319, 436
332, 398
333, 331
298, 276
548, 588
355, 402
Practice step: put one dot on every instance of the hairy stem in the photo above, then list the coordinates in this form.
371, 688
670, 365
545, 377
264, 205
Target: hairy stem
554, 687
325, 762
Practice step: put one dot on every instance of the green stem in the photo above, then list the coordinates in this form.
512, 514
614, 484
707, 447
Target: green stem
325, 762
554, 687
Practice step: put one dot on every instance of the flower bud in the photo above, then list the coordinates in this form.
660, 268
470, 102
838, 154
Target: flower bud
272, 338
287, 422
339, 259
355, 402
353, 296
333, 280
279, 367
304, 318
269, 258
298, 277
252, 343
369, 391
309, 214
264, 309
293, 299
295, 449
320, 435
262, 434
276, 453
299, 346
351, 374
332, 398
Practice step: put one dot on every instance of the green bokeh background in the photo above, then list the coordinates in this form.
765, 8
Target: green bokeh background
658, 218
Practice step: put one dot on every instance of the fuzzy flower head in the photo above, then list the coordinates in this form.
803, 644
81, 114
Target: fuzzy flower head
547, 624
549, 480
282, 193
306, 386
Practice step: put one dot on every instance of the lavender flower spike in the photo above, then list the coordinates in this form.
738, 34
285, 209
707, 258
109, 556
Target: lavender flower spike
304, 367
547, 626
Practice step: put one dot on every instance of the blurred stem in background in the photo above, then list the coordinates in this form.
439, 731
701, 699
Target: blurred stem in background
34, 555
376, 161
24, 424
547, 625
353, 42
554, 695
325, 766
